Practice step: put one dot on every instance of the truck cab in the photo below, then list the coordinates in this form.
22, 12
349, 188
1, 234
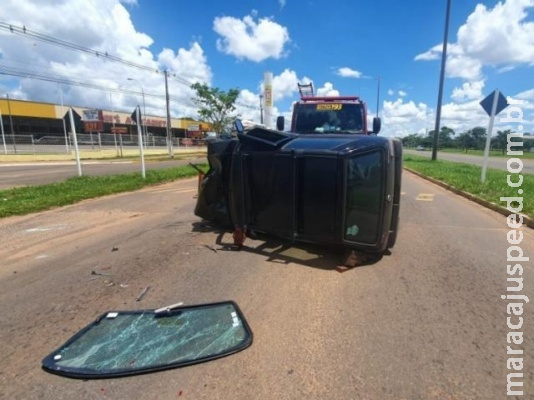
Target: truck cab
327, 115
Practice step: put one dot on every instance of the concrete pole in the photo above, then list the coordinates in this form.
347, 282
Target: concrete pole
268, 96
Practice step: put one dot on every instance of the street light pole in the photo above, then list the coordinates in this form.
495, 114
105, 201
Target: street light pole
144, 109
11, 122
63, 119
168, 107
441, 79
3, 133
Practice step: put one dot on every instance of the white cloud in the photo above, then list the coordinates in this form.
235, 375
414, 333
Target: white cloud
391, 92
107, 27
402, 93
461, 117
468, 91
401, 118
506, 68
282, 3
346, 72
327, 90
251, 40
502, 35
191, 63
525, 95
248, 105
499, 35
285, 84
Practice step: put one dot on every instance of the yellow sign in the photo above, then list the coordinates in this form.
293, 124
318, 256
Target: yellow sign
268, 96
329, 107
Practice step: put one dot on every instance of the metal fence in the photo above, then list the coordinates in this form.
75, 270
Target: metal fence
29, 144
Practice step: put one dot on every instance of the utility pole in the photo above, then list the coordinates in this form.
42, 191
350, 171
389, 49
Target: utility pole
441, 79
169, 132
11, 123
63, 119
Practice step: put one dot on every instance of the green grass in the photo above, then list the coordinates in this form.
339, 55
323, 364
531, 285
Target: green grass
466, 177
493, 153
29, 199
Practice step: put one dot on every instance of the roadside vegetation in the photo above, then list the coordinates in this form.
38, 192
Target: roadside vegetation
472, 141
493, 153
29, 199
466, 177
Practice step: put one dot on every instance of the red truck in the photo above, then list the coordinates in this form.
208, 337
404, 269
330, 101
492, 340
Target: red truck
332, 114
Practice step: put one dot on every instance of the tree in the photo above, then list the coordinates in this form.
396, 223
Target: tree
215, 106
501, 140
444, 137
479, 135
465, 140
412, 140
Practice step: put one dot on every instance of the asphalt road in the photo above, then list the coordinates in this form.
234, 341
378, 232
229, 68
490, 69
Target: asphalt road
426, 322
493, 162
40, 173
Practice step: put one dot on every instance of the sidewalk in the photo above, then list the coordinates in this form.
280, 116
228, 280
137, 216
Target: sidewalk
99, 156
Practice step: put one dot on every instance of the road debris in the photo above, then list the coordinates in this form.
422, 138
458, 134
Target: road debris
143, 294
99, 273
211, 248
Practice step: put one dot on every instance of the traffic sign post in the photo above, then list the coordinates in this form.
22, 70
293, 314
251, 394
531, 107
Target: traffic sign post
136, 116
493, 105
71, 115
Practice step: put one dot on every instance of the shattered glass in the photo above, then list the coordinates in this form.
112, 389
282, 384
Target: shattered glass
129, 342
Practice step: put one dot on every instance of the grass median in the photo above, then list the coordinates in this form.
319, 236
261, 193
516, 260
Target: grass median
29, 199
466, 177
493, 153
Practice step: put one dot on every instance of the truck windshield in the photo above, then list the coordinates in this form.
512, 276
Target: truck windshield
328, 118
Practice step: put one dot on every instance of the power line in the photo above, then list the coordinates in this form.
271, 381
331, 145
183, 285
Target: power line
74, 82
72, 46
23, 31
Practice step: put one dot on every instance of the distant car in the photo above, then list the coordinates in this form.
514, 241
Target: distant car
420, 148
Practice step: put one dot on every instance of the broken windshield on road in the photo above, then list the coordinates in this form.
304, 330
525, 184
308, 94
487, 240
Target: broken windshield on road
131, 342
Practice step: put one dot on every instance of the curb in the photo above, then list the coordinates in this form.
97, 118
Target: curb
492, 206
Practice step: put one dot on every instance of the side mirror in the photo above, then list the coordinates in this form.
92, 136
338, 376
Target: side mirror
239, 126
280, 120
377, 124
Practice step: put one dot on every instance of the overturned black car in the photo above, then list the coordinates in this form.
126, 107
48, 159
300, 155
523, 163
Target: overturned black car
335, 189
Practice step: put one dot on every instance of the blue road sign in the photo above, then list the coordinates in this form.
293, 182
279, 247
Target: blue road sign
134, 115
487, 103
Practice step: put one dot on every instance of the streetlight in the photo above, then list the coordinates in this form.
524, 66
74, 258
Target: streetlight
63, 118
11, 122
144, 108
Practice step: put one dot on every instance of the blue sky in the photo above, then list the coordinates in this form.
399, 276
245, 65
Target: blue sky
339, 45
